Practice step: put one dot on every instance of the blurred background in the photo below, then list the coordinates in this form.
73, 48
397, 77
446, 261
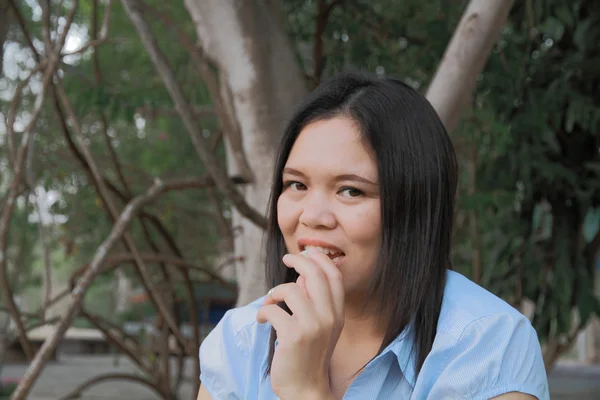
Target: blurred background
136, 140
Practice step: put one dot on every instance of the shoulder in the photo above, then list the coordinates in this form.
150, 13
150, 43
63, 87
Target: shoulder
465, 302
238, 328
241, 321
233, 350
484, 346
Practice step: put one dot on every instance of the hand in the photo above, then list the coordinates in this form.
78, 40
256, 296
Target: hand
306, 339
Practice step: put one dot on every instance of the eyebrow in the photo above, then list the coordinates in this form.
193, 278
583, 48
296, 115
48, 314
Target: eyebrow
343, 177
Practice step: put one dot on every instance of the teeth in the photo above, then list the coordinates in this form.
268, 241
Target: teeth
321, 249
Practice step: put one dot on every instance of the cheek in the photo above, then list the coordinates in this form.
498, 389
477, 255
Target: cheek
286, 215
364, 228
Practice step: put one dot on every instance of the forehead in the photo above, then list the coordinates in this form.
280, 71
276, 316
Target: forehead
334, 145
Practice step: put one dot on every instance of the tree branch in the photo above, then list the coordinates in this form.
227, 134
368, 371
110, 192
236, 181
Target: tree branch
23, 27
7, 211
12, 112
154, 112
76, 393
464, 58
219, 96
199, 142
114, 260
157, 300
323, 12
97, 40
78, 292
111, 336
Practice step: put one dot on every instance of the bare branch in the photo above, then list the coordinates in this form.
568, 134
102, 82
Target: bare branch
154, 112
102, 37
78, 292
101, 255
221, 97
323, 12
7, 211
93, 44
99, 182
23, 27
114, 261
12, 111
114, 334
76, 393
200, 144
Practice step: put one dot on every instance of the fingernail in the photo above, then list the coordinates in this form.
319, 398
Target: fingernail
270, 292
305, 253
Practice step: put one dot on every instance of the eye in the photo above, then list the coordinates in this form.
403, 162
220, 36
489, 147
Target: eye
351, 192
294, 185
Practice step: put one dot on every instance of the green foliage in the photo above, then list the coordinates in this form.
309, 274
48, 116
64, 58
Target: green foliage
531, 137
547, 167
107, 90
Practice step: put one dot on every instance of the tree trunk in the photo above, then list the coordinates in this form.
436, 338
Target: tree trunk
464, 59
248, 43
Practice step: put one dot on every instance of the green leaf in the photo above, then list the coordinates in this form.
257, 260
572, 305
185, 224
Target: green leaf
554, 28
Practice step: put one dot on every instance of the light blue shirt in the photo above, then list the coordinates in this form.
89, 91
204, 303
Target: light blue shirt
483, 348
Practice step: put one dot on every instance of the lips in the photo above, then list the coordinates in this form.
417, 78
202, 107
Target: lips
333, 252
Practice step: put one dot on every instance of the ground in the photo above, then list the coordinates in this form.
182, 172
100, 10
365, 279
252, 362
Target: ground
59, 378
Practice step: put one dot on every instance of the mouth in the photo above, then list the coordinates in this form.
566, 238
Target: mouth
337, 256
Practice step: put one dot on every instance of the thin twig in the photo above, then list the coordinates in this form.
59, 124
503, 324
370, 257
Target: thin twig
93, 44
12, 112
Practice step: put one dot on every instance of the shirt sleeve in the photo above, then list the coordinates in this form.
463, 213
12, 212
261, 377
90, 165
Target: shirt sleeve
223, 358
495, 355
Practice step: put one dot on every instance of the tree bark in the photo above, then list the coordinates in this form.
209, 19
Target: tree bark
248, 43
468, 51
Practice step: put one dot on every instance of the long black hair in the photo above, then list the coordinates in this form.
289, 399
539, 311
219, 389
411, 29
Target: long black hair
417, 171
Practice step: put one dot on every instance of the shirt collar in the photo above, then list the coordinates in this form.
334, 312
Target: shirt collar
403, 348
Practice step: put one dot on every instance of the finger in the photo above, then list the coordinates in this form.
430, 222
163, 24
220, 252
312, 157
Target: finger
301, 281
334, 276
294, 297
317, 283
272, 313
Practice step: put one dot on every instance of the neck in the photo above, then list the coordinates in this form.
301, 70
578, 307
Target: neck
358, 343
361, 325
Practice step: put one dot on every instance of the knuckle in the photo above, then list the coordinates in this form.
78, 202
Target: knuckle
313, 330
328, 321
297, 339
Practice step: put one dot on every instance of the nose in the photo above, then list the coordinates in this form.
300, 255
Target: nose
317, 212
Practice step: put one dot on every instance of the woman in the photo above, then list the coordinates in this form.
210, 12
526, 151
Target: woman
364, 304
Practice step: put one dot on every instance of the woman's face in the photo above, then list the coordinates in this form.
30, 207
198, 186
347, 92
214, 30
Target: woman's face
330, 199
